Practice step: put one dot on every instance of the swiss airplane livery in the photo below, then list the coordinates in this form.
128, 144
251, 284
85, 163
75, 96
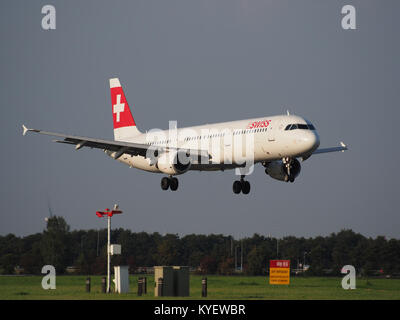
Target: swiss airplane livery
276, 142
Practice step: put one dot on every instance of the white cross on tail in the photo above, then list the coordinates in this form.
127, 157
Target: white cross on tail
118, 107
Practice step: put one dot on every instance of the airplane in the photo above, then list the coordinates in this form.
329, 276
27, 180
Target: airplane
276, 142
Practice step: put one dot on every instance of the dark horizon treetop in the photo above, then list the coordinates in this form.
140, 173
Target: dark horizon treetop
213, 253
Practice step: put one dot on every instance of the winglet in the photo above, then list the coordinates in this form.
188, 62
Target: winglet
25, 130
343, 145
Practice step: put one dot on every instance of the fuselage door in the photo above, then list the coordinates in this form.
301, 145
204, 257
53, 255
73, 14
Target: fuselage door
271, 134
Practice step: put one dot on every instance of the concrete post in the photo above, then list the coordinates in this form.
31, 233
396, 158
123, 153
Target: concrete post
160, 286
204, 287
140, 287
144, 279
103, 285
88, 284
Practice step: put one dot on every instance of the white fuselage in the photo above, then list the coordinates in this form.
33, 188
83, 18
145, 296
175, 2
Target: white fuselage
262, 139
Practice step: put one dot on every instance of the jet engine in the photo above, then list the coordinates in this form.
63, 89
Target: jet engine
283, 171
173, 162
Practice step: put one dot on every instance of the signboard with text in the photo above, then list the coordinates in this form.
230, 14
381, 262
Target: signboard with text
279, 271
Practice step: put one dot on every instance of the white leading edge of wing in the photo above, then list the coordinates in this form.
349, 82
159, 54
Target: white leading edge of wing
343, 147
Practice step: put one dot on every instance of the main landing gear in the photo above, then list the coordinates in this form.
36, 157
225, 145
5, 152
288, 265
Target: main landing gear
241, 185
169, 182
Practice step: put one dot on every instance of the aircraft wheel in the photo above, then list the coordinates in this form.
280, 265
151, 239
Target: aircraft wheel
245, 187
173, 184
165, 183
291, 179
237, 187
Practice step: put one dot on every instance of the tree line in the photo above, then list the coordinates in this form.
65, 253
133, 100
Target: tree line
86, 250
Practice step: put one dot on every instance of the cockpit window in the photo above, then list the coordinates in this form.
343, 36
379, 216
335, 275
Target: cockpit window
300, 126
311, 127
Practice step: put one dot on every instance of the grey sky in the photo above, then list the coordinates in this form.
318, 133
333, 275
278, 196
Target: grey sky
199, 62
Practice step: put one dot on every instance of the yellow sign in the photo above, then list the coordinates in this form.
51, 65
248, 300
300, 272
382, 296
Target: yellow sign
279, 271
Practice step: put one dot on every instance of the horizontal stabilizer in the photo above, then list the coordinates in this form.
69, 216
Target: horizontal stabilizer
25, 130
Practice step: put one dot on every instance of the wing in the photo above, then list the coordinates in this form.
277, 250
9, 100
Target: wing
342, 148
119, 147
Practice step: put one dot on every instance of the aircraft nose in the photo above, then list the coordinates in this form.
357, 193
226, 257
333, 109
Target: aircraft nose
311, 140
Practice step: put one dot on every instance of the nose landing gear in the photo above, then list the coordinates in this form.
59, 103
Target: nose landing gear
289, 163
241, 186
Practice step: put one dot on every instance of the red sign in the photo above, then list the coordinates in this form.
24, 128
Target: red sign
108, 212
279, 263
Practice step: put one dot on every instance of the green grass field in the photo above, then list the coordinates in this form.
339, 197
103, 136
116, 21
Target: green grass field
219, 287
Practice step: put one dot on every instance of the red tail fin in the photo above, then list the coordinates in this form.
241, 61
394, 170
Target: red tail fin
124, 124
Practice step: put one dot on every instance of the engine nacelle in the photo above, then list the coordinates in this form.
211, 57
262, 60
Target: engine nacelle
173, 162
278, 170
